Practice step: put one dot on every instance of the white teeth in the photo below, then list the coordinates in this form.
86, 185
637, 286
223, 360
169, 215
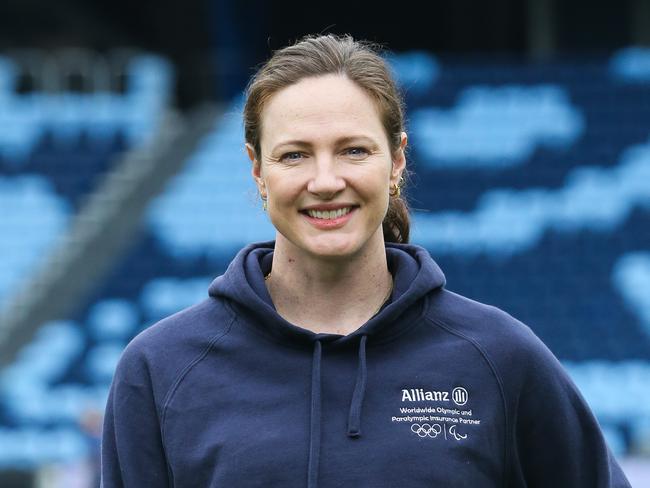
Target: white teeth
329, 214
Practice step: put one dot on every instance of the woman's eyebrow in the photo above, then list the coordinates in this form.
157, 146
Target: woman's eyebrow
341, 141
295, 142
359, 138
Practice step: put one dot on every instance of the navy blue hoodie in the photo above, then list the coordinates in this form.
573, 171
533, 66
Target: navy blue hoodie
434, 390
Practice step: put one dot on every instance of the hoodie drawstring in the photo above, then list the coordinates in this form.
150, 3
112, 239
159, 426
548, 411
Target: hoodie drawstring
354, 418
314, 434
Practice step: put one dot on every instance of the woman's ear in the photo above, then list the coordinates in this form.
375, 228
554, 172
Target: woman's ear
256, 169
399, 160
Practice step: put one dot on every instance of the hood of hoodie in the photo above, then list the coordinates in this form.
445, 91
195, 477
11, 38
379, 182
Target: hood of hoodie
415, 274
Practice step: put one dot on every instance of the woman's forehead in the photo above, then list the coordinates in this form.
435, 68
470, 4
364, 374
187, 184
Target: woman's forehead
331, 104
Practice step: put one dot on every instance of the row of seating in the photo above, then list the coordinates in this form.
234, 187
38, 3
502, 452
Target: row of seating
25, 118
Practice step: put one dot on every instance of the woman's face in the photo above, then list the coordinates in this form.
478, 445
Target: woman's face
326, 166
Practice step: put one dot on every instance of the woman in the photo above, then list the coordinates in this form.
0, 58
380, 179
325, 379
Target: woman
334, 356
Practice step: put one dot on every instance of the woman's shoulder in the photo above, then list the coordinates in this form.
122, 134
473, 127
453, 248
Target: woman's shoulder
476, 319
196, 322
502, 339
171, 343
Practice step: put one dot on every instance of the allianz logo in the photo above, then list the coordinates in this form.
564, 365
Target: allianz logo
458, 395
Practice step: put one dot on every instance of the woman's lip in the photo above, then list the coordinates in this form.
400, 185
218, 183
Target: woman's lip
329, 206
326, 224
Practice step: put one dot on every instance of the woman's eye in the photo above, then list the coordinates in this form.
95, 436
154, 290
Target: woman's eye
291, 156
356, 152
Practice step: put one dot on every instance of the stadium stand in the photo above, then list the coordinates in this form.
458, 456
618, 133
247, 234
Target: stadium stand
531, 187
55, 147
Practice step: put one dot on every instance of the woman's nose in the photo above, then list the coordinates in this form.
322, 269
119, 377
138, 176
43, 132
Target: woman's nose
325, 181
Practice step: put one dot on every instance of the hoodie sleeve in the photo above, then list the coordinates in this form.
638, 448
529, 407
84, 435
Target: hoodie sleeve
132, 449
558, 441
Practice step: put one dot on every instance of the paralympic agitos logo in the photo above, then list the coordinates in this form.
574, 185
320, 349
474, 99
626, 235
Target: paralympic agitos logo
458, 395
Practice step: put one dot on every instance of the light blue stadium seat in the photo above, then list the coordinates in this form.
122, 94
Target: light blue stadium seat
112, 319
101, 361
150, 75
631, 64
68, 445
33, 219
49, 354
415, 71
106, 118
30, 448
165, 296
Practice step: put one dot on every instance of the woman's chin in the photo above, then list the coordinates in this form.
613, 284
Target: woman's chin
332, 248
332, 244
335, 246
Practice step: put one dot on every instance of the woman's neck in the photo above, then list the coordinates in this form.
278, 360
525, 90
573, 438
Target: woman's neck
334, 296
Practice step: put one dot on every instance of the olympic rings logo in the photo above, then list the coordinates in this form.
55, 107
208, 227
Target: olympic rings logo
426, 430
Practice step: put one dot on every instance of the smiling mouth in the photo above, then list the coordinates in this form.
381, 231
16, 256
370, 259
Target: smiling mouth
328, 214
